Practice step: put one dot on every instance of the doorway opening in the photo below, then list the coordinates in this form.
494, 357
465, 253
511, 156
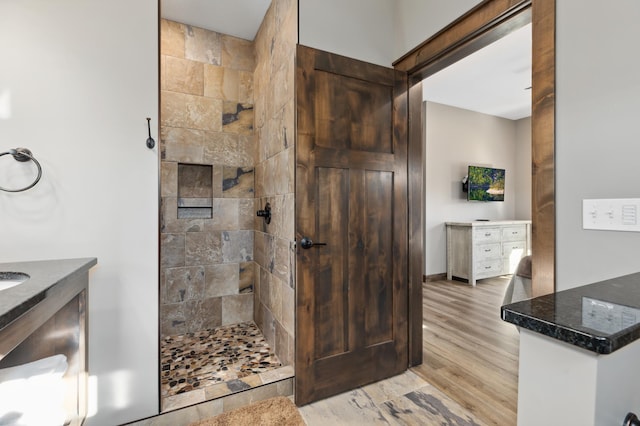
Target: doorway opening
477, 112
487, 22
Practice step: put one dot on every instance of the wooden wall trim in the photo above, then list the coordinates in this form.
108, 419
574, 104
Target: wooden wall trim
478, 21
434, 277
488, 20
543, 148
416, 222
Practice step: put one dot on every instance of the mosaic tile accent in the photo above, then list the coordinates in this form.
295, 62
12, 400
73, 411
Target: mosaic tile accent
225, 354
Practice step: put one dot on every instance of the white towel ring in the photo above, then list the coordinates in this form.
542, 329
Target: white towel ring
23, 155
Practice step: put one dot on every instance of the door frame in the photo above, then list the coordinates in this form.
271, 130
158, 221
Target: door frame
487, 22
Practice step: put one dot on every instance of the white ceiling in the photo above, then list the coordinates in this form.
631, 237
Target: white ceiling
492, 80
239, 18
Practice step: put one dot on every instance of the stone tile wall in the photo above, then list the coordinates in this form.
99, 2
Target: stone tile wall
207, 118
217, 92
274, 76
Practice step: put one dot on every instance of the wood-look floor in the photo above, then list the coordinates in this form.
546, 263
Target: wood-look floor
469, 353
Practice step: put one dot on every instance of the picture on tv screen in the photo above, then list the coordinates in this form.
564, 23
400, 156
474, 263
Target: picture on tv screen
485, 184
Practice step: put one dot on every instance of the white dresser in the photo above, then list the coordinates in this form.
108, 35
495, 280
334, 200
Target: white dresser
480, 249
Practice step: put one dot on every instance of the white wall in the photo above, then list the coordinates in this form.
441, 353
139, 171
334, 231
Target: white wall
522, 172
456, 138
417, 20
376, 31
597, 133
360, 29
82, 76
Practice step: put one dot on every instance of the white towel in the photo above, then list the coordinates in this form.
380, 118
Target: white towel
33, 393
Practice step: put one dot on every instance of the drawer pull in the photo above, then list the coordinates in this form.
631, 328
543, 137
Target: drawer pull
487, 267
488, 234
487, 250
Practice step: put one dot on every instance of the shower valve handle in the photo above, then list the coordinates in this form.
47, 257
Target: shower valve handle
266, 213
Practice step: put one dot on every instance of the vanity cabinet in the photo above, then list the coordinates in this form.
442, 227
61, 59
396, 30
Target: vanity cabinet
579, 348
485, 249
44, 317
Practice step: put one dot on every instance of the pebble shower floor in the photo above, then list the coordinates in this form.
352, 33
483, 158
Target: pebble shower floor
196, 360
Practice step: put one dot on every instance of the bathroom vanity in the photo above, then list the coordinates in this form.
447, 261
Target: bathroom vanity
579, 354
43, 313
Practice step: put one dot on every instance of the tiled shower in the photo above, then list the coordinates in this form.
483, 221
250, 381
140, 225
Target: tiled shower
227, 277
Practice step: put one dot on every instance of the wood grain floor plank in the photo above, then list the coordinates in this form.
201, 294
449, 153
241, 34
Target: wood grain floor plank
469, 353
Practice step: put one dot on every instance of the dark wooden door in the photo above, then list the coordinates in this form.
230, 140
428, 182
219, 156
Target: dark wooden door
351, 193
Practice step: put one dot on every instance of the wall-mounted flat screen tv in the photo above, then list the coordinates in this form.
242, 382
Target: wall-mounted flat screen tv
485, 184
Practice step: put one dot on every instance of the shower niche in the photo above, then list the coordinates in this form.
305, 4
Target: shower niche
195, 191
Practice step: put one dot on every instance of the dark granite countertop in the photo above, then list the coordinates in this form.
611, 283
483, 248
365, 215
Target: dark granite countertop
44, 274
600, 317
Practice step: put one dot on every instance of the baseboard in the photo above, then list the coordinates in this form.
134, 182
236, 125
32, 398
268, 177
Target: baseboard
434, 277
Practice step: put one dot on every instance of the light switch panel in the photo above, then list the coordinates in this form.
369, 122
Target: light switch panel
614, 214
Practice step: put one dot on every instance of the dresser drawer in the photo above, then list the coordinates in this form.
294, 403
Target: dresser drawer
518, 232
515, 248
488, 251
486, 235
513, 252
489, 268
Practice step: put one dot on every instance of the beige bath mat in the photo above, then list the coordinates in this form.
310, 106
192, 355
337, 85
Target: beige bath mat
278, 411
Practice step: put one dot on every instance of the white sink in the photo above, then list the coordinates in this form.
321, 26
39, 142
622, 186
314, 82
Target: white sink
11, 279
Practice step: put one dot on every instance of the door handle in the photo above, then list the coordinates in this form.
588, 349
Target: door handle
307, 243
